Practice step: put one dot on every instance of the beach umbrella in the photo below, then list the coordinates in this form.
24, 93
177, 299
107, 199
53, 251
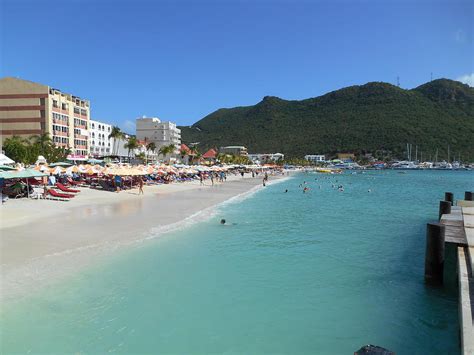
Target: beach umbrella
24, 174
56, 170
61, 164
4, 160
6, 168
95, 161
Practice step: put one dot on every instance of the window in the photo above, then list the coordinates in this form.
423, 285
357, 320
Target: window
64, 106
76, 109
92, 126
55, 103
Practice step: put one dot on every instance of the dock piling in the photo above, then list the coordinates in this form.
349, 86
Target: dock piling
434, 257
448, 196
444, 208
468, 195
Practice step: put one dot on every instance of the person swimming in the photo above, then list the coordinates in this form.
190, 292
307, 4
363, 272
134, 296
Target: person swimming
222, 221
286, 191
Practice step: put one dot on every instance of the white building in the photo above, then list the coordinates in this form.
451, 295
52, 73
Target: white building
151, 129
100, 143
266, 158
316, 158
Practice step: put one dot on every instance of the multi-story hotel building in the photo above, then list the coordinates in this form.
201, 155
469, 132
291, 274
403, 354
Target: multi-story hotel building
100, 143
151, 129
28, 109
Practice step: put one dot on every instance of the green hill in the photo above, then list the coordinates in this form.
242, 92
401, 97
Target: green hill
376, 117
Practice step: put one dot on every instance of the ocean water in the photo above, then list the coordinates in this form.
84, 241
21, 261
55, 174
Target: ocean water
318, 273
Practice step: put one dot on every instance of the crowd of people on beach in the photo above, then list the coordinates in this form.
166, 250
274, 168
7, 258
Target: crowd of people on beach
62, 183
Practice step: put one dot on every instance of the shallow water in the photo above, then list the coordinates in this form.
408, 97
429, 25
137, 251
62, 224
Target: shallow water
323, 272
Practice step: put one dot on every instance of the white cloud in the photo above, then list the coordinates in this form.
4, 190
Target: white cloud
467, 79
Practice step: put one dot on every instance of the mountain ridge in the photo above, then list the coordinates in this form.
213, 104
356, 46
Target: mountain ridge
373, 117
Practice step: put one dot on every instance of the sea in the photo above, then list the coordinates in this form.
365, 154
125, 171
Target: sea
324, 271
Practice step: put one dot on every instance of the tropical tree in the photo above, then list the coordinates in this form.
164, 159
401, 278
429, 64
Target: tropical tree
150, 147
131, 144
167, 150
183, 153
43, 141
15, 148
141, 156
116, 134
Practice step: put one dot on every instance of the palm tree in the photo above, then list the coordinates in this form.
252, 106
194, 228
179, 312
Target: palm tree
141, 156
150, 147
131, 144
43, 141
116, 134
167, 149
193, 153
183, 153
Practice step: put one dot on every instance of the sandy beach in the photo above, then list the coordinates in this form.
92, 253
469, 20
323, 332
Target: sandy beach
42, 240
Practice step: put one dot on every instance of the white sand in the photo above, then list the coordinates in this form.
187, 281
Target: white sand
41, 240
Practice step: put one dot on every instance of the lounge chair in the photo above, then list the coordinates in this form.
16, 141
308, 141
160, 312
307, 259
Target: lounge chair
65, 189
72, 182
54, 193
105, 186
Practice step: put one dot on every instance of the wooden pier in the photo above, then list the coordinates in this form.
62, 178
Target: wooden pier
459, 230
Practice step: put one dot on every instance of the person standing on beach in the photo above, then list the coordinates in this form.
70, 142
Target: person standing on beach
201, 180
140, 186
212, 179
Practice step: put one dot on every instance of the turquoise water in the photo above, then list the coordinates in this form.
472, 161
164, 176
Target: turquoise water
318, 273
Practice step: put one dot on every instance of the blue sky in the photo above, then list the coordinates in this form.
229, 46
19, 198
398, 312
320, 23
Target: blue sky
181, 60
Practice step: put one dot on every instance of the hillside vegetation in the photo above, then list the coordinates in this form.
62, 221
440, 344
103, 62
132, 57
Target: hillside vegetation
377, 117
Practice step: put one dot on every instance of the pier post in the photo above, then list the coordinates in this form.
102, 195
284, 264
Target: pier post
444, 208
448, 196
468, 195
434, 257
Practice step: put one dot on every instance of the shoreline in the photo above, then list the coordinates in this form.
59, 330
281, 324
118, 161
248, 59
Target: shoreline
47, 245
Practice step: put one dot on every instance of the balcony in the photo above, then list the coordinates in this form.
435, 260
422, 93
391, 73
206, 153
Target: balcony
60, 133
60, 122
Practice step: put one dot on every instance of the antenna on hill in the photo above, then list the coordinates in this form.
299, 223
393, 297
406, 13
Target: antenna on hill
398, 81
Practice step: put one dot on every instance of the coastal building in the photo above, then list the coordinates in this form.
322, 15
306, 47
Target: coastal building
346, 156
315, 158
152, 129
210, 155
234, 150
30, 109
100, 143
266, 158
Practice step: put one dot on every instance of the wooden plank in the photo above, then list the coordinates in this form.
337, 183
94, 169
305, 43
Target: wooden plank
465, 304
468, 210
469, 221
464, 203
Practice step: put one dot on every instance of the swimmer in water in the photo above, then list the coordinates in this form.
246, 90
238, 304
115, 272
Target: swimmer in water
222, 221
286, 191
305, 189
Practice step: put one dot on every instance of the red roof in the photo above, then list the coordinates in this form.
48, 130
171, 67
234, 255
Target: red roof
211, 153
186, 148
